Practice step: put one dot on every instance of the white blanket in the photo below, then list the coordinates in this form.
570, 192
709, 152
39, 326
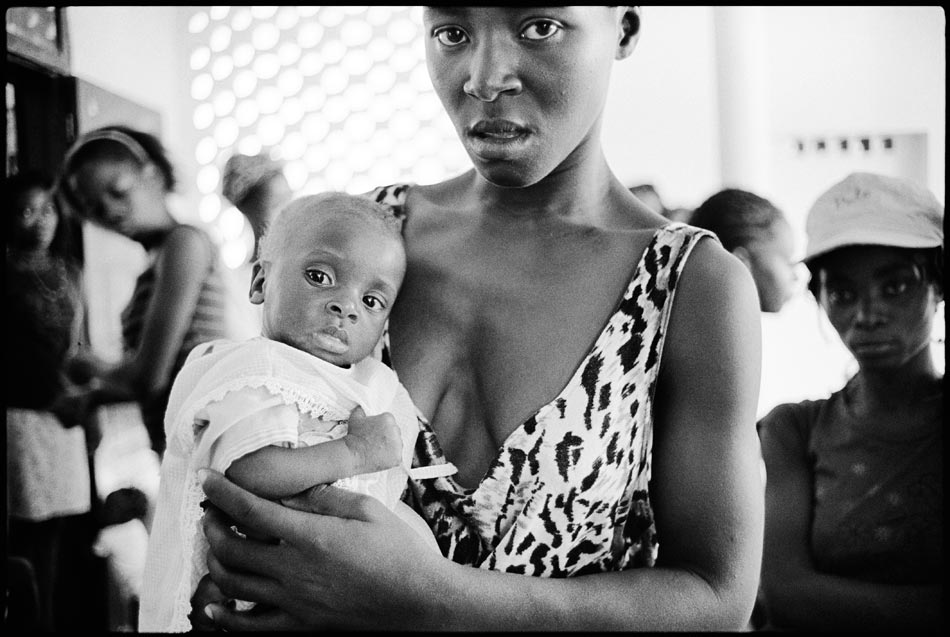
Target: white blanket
232, 398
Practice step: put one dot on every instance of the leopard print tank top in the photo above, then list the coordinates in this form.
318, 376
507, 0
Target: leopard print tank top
568, 493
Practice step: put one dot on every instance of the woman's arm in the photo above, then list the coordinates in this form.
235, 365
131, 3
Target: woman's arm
705, 481
797, 595
276, 472
181, 266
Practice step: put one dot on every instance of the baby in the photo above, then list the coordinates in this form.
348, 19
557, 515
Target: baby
271, 412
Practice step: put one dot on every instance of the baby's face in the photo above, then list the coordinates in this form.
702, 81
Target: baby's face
330, 284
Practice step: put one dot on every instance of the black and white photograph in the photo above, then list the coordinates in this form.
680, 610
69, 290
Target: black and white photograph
605, 318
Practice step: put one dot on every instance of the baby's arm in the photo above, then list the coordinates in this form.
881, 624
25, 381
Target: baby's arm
274, 472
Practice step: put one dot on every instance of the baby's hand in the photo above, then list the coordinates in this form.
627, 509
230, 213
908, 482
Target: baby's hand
374, 441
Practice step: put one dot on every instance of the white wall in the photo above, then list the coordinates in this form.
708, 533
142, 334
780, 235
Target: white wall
861, 69
136, 53
660, 121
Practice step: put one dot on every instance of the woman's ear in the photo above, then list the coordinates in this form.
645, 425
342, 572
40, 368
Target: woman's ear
629, 31
256, 293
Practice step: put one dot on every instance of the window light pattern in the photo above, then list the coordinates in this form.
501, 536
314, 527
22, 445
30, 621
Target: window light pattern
340, 94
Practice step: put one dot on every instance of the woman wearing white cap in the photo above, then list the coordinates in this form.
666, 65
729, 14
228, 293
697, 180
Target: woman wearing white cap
854, 497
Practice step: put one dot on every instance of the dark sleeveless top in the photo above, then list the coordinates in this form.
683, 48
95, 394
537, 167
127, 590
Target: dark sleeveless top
208, 323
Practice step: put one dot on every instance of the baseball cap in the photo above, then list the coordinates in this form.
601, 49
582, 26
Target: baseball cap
871, 209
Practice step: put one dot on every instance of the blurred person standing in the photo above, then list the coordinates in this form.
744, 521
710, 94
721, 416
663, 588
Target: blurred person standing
119, 178
758, 233
257, 187
48, 472
754, 230
854, 500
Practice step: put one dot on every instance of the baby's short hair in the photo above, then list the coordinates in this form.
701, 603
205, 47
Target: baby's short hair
335, 202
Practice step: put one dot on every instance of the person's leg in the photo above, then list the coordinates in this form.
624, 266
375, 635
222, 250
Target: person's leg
38, 542
22, 611
81, 594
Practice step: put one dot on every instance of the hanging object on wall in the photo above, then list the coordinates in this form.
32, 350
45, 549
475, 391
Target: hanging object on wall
39, 34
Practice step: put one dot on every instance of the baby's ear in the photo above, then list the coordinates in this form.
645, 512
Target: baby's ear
256, 293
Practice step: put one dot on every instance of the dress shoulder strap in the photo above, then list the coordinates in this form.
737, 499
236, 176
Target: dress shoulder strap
394, 196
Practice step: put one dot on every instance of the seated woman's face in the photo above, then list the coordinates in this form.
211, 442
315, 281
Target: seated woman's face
524, 86
120, 195
35, 221
880, 302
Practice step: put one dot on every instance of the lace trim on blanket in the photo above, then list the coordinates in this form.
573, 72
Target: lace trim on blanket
305, 399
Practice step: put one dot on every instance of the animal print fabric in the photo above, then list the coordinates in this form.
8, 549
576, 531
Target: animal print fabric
568, 493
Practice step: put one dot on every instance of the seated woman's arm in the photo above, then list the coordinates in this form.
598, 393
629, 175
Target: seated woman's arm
706, 486
797, 595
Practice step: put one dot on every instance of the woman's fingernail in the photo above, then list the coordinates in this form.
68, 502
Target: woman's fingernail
208, 611
202, 475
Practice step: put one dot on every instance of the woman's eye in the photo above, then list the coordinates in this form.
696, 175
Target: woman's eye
540, 30
450, 36
319, 277
896, 288
840, 297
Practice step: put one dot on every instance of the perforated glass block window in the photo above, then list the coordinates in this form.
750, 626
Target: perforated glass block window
340, 94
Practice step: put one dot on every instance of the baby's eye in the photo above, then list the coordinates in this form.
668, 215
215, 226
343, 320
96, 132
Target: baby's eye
374, 302
319, 276
450, 36
540, 30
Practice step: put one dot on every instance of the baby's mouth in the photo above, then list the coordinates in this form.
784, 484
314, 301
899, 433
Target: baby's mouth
333, 339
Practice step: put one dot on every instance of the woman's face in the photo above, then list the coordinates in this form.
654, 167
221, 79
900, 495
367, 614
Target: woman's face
36, 220
880, 303
524, 86
121, 195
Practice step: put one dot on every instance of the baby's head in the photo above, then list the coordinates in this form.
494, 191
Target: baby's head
329, 269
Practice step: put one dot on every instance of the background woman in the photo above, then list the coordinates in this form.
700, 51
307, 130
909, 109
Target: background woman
854, 497
48, 478
119, 178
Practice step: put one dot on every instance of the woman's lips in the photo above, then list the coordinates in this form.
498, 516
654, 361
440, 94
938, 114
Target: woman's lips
501, 129
495, 139
873, 348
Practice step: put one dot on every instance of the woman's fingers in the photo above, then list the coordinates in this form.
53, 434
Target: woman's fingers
253, 556
245, 585
260, 516
207, 592
257, 619
334, 501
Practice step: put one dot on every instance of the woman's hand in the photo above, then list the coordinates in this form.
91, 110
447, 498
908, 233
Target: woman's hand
344, 560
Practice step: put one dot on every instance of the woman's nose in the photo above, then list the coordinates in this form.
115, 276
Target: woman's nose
492, 72
345, 309
868, 312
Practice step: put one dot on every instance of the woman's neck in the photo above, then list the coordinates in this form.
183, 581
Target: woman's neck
576, 191
911, 383
155, 236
